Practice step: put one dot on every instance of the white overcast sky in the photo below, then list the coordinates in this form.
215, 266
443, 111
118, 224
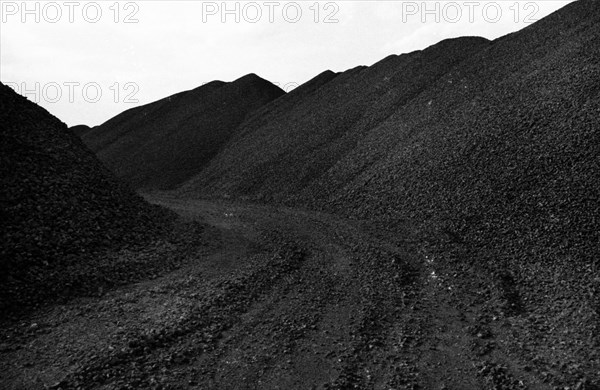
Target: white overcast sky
173, 46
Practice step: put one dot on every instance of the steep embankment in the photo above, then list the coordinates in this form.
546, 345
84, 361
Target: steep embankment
60, 208
162, 144
499, 161
495, 159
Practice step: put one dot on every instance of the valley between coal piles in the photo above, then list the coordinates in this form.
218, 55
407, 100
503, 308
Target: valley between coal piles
428, 222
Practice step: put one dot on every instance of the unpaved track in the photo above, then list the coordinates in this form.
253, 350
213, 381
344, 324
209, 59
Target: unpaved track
292, 300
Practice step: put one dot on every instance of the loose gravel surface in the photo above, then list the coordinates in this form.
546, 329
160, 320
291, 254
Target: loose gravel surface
291, 299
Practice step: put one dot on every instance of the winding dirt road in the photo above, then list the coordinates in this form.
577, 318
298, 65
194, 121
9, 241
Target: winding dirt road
291, 300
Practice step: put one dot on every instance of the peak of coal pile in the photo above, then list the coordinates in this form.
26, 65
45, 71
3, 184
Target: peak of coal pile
59, 205
162, 144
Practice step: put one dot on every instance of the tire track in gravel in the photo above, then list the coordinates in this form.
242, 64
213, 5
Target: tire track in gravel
150, 355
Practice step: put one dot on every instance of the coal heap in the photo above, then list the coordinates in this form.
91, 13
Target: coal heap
162, 144
60, 206
317, 124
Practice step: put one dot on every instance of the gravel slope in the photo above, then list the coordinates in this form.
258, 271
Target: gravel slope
317, 124
64, 215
